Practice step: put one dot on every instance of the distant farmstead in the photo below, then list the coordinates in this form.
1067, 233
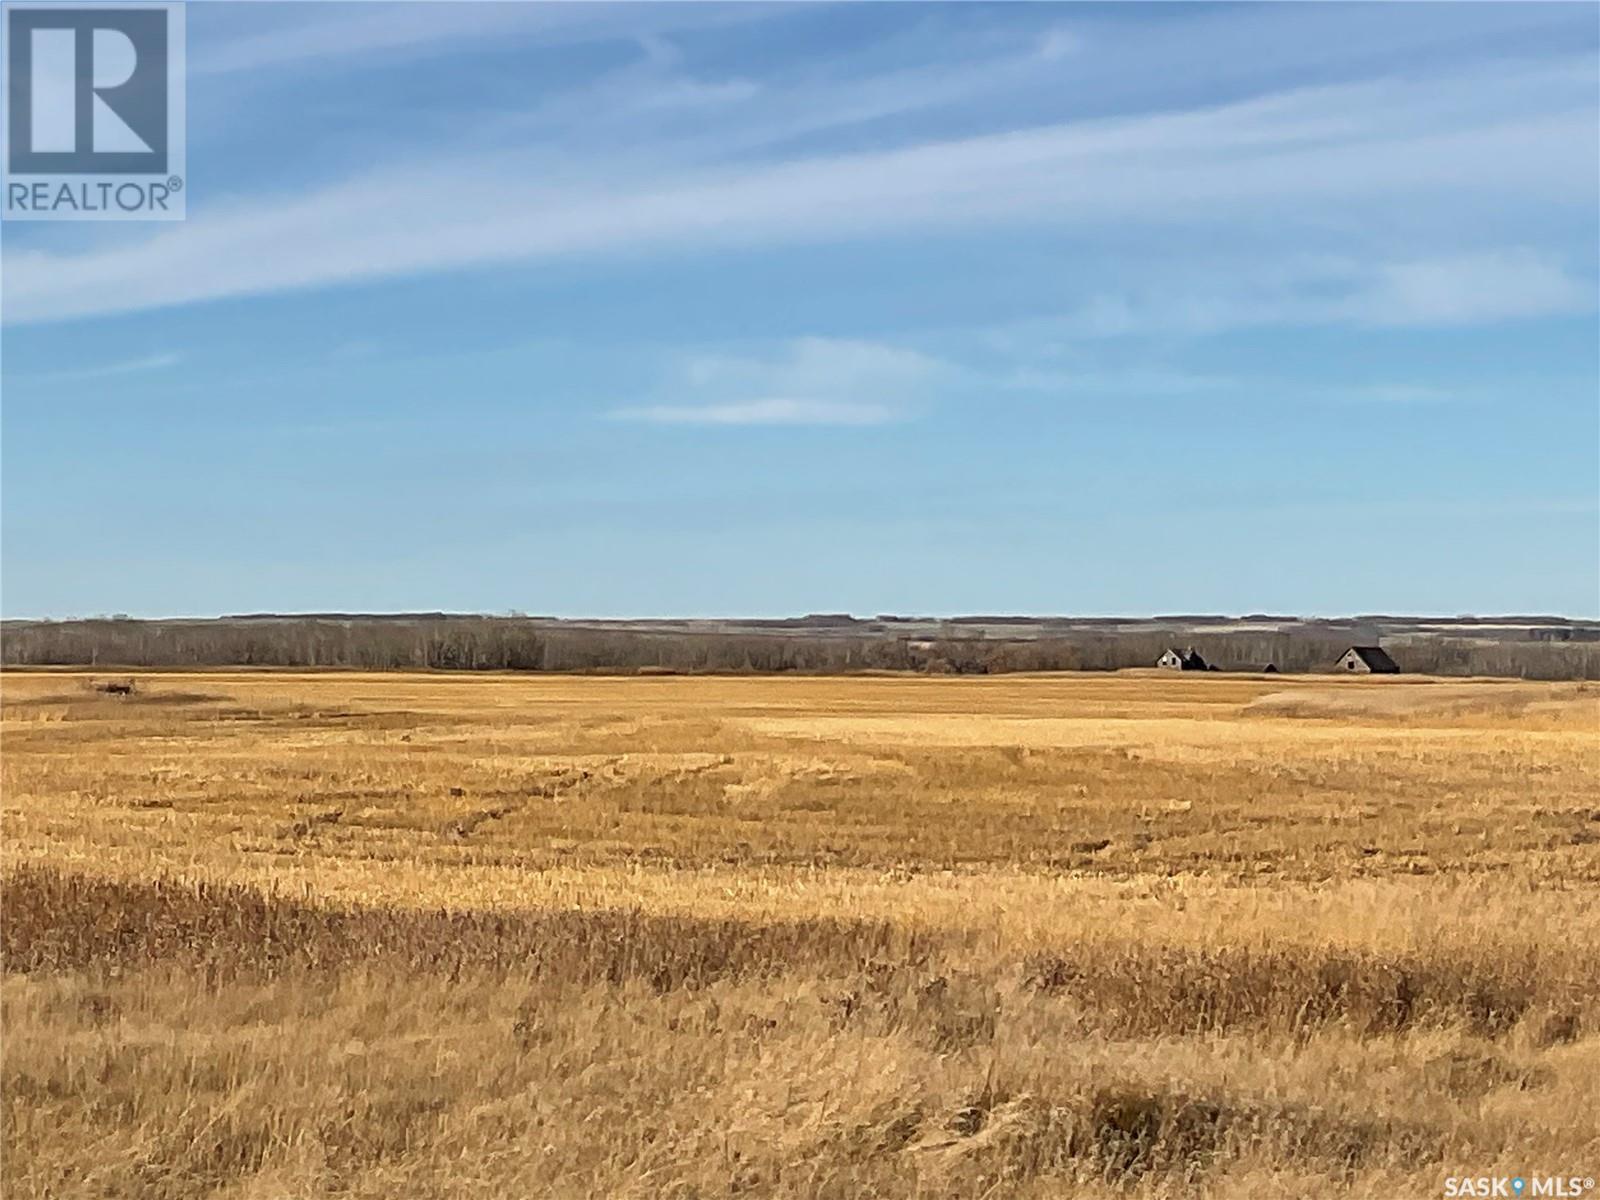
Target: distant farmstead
1366, 660
1181, 660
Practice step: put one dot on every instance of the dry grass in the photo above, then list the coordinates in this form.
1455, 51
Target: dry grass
276, 935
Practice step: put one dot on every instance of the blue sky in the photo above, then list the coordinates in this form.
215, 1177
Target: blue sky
701, 310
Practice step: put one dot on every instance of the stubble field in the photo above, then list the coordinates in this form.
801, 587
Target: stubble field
285, 935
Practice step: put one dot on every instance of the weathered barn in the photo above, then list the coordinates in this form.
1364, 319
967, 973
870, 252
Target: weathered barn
1181, 660
1366, 660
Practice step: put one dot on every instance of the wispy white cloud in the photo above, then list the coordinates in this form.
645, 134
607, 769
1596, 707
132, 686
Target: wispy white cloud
289, 35
132, 366
1317, 151
1483, 287
806, 381
809, 364
1058, 44
1471, 289
1140, 382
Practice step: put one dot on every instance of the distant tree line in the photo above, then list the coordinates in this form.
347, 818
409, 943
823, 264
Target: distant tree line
522, 644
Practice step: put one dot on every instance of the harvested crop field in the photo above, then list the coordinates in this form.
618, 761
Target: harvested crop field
271, 935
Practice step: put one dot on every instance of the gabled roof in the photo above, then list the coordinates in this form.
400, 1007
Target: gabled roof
1376, 658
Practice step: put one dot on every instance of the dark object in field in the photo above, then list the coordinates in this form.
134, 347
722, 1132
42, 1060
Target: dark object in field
113, 687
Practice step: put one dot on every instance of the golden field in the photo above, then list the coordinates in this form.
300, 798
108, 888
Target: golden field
288, 935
